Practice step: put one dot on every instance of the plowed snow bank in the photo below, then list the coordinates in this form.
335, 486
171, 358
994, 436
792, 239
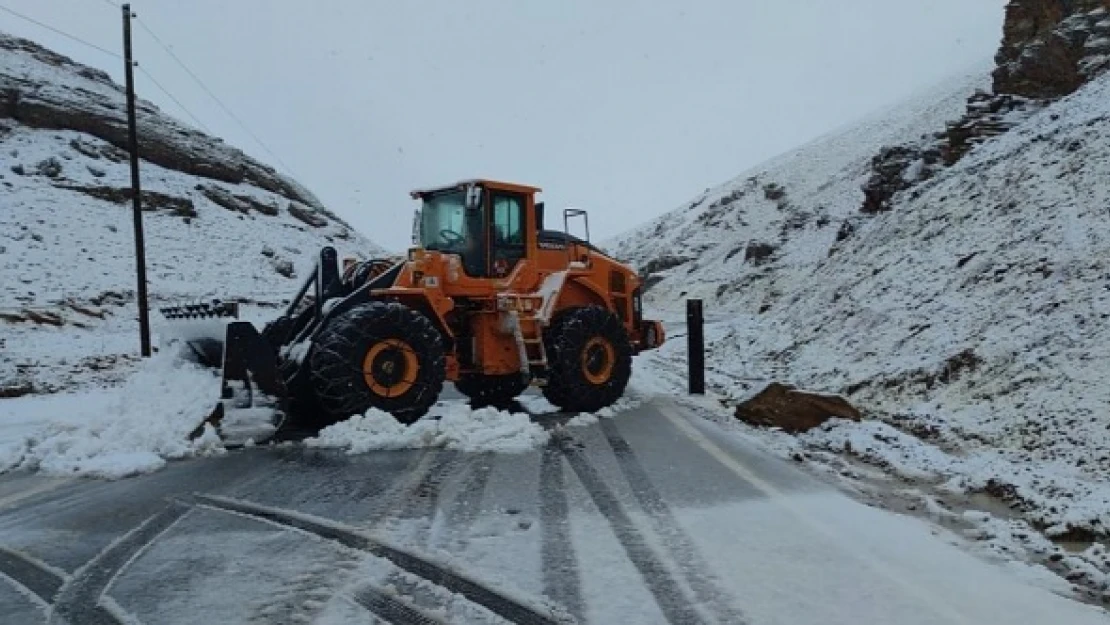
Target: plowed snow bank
113, 433
451, 425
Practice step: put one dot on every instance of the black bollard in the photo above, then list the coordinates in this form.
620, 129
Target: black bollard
695, 346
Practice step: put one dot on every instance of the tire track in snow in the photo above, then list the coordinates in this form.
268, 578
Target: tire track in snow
391, 609
36, 577
394, 497
683, 552
423, 500
464, 509
657, 577
511, 609
79, 598
420, 506
561, 579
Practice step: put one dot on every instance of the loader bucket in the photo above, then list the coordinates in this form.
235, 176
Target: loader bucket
250, 406
201, 328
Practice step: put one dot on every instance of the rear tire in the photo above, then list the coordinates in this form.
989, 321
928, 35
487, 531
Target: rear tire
498, 391
378, 355
589, 360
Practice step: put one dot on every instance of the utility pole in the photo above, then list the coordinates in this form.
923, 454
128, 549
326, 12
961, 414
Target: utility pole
136, 193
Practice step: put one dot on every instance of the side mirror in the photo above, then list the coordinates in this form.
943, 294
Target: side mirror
539, 215
473, 197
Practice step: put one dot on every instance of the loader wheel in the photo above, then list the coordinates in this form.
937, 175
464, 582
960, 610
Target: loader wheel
589, 360
491, 390
378, 355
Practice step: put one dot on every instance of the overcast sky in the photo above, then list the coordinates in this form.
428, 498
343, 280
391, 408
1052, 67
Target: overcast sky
625, 107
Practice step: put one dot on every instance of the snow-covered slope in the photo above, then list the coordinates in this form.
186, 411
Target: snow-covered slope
727, 243
981, 300
969, 322
217, 223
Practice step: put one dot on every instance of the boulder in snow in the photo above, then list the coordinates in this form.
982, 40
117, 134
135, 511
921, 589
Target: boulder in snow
11, 390
786, 407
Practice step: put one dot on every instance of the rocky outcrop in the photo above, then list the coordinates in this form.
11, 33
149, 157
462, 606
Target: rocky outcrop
237, 203
1049, 49
1052, 47
306, 215
988, 115
94, 105
895, 169
793, 410
150, 200
758, 253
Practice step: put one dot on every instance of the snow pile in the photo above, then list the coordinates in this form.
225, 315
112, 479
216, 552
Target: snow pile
450, 425
536, 404
624, 404
130, 430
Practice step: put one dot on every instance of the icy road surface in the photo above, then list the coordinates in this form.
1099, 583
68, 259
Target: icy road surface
654, 516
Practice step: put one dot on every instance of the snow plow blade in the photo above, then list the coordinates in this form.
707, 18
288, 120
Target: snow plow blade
250, 407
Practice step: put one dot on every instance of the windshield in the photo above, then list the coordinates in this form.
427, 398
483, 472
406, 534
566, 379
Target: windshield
447, 226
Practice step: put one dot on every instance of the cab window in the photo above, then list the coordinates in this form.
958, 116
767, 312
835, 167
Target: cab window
508, 220
448, 226
507, 232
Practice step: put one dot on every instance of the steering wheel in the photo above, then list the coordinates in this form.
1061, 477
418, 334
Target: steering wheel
452, 238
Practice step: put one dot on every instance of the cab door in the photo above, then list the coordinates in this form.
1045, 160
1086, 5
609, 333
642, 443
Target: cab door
508, 232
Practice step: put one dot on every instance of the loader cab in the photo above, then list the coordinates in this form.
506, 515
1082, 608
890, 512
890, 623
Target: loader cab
490, 225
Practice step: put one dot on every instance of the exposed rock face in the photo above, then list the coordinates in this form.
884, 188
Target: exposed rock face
1049, 49
758, 253
37, 99
895, 169
1052, 47
238, 203
793, 410
307, 216
988, 115
151, 200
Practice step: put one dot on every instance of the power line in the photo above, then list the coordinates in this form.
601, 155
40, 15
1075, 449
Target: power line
175, 100
60, 32
113, 54
216, 99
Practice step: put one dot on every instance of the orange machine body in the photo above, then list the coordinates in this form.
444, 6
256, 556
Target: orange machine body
493, 305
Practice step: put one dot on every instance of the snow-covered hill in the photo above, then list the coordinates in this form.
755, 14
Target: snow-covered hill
968, 320
218, 223
727, 244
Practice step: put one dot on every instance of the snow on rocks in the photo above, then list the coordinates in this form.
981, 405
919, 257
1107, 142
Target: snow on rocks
968, 322
66, 314
113, 433
450, 425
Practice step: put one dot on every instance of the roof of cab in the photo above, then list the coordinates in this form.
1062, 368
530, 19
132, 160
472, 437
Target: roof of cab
492, 184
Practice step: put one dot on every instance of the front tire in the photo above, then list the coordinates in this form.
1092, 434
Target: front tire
378, 355
589, 360
491, 390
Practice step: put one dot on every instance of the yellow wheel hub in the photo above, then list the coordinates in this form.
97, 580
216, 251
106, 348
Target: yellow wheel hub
390, 368
598, 359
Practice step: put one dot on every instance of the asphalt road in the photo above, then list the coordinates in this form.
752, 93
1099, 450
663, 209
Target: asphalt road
655, 516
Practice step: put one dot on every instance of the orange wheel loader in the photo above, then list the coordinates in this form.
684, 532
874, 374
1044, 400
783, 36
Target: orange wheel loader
486, 298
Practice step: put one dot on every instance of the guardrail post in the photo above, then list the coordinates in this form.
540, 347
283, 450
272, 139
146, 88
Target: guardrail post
695, 346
